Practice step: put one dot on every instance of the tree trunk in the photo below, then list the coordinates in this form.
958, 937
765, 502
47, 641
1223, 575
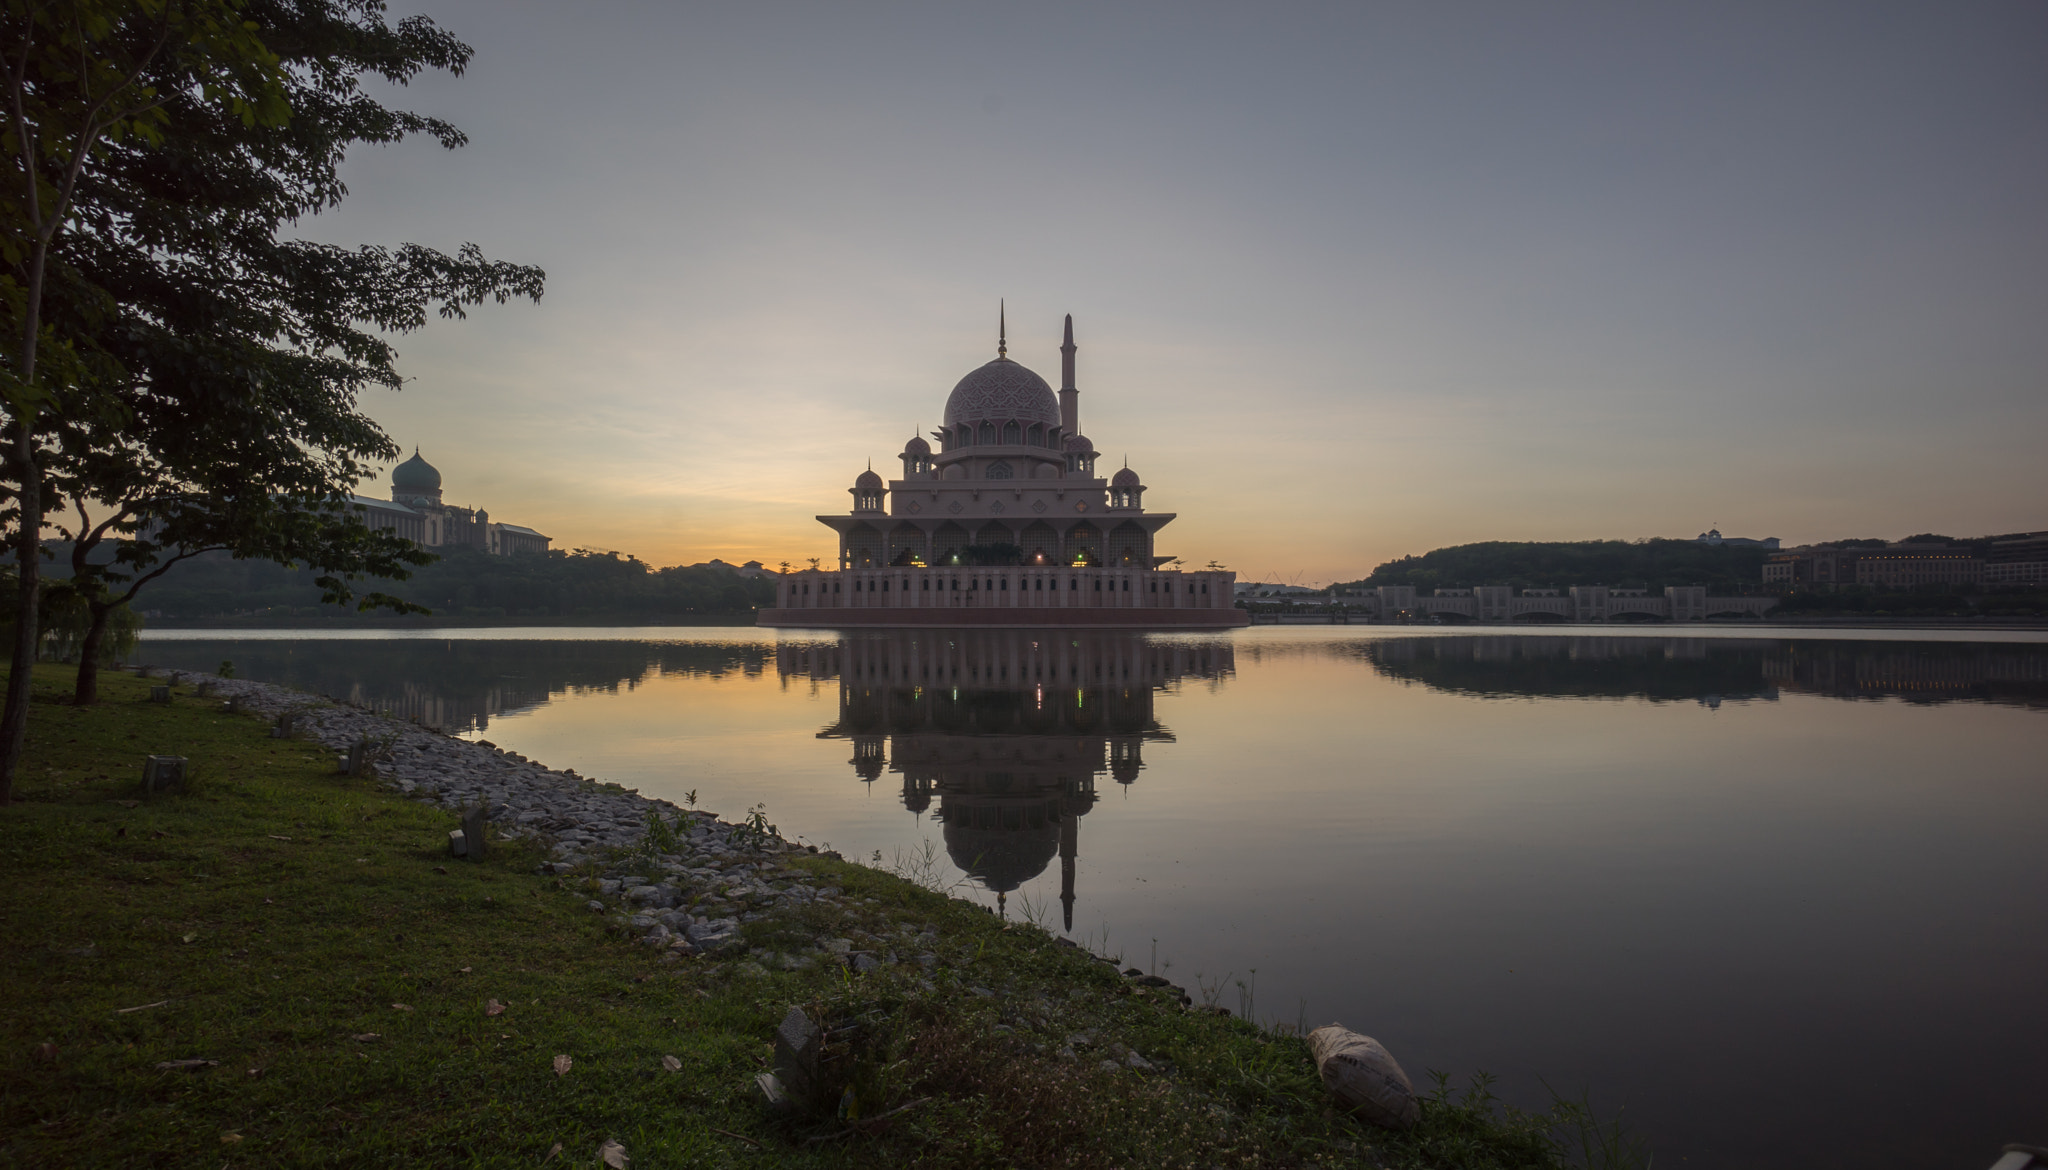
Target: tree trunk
28, 561
28, 541
88, 690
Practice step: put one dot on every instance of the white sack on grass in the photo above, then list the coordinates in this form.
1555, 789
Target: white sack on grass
1364, 1076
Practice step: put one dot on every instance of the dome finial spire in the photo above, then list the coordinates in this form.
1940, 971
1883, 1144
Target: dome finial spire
1002, 329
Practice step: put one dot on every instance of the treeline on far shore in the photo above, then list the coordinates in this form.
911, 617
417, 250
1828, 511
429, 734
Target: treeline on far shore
1560, 564
1726, 569
464, 583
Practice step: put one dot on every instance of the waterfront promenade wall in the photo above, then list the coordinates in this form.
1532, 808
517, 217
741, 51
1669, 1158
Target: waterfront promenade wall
1006, 595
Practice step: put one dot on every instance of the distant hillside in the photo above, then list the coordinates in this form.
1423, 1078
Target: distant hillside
1559, 564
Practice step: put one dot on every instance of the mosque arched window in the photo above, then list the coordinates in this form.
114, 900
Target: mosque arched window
1035, 436
987, 434
1000, 470
1011, 434
960, 436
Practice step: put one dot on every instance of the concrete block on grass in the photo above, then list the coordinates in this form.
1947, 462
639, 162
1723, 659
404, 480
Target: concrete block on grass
163, 774
797, 1045
474, 823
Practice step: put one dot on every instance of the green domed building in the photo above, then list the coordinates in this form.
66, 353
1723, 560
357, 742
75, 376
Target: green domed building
417, 512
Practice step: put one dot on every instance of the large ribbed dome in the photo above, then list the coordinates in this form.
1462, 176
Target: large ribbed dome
1001, 859
416, 475
1002, 390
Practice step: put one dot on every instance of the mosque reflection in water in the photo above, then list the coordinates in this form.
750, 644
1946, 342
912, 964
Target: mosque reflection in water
1007, 732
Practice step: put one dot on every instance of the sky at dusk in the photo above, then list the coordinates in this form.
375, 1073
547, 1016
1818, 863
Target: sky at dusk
1348, 281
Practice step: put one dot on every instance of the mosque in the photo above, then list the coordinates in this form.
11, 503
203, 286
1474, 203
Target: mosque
1005, 523
416, 512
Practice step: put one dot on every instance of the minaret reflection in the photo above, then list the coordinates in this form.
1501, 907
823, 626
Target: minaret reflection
1009, 730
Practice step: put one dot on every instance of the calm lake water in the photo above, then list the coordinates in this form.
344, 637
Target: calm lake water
1780, 900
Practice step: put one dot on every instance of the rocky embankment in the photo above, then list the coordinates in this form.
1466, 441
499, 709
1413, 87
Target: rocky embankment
711, 876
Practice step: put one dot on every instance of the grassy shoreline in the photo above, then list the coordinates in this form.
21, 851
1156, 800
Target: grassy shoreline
357, 998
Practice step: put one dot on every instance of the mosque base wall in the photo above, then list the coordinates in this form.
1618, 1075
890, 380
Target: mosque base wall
1021, 619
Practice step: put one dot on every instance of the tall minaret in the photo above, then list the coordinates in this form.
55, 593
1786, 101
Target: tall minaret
1070, 398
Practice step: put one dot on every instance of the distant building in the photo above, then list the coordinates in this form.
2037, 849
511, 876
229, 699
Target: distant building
1269, 590
1006, 523
415, 512
1902, 566
1713, 536
2017, 560
1579, 604
750, 570
1893, 566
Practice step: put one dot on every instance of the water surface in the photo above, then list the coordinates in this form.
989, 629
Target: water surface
1778, 898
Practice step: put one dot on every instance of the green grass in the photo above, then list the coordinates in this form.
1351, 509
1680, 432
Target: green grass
276, 914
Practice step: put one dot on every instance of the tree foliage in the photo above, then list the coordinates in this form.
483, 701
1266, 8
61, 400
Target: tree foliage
466, 582
214, 366
1561, 564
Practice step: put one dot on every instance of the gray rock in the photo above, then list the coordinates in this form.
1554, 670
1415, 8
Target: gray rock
714, 934
864, 963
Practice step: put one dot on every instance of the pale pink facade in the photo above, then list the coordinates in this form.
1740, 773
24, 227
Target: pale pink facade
1006, 522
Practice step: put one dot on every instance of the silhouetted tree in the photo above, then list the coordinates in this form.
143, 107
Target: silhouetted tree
211, 369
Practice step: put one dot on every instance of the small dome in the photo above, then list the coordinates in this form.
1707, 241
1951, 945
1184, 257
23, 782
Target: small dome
416, 475
1079, 443
1002, 390
1125, 478
917, 446
868, 481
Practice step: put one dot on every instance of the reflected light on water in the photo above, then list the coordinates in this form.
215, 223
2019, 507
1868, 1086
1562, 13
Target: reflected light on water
1777, 897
